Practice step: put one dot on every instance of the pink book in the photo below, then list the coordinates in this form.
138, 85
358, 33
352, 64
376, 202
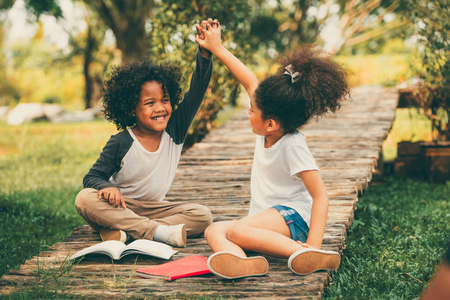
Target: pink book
192, 265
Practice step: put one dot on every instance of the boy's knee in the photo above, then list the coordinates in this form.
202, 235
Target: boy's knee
204, 215
84, 199
200, 219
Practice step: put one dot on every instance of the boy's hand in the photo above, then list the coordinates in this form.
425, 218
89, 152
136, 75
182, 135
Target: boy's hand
113, 196
210, 37
204, 25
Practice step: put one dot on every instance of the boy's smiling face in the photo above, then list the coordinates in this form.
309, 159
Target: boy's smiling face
154, 109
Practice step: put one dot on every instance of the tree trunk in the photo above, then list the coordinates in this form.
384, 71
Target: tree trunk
90, 44
127, 21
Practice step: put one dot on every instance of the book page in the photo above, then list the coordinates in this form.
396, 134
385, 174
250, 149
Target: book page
110, 248
149, 247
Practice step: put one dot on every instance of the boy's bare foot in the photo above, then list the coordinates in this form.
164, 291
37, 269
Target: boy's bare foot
306, 261
230, 266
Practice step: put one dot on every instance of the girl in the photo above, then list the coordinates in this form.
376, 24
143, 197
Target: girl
289, 204
125, 189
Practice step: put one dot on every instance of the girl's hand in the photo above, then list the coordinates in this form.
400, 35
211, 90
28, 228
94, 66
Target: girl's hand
304, 245
113, 196
208, 35
200, 35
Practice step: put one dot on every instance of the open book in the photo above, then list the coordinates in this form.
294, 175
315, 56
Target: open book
192, 265
117, 250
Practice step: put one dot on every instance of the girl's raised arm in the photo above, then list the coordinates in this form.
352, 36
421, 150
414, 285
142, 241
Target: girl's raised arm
212, 41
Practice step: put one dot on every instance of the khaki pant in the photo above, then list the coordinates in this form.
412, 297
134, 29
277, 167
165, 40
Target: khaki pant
141, 218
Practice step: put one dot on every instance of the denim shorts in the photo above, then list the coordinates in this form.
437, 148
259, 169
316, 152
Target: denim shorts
298, 227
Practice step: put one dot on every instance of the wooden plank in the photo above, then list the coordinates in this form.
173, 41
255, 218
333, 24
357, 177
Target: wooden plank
216, 173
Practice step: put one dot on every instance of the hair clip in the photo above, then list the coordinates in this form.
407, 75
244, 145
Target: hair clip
295, 76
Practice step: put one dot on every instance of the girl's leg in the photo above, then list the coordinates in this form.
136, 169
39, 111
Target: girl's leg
216, 236
265, 232
229, 260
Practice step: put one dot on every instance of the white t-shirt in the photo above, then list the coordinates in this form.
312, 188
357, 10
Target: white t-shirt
275, 179
146, 175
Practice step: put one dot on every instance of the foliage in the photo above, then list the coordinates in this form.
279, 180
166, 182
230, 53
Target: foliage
41, 74
399, 235
173, 38
334, 25
371, 69
432, 27
8, 89
409, 125
97, 56
36, 7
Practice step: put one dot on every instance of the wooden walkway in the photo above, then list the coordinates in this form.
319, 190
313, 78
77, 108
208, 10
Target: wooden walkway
216, 173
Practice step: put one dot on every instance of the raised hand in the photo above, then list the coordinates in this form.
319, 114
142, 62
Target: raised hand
203, 26
210, 38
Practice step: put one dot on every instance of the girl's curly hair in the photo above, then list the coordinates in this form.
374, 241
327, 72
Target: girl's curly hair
123, 86
321, 86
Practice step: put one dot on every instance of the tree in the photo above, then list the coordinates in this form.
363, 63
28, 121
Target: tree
8, 91
127, 20
36, 7
344, 23
96, 57
431, 21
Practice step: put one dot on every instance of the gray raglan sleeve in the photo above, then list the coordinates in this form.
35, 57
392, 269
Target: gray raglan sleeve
107, 164
184, 115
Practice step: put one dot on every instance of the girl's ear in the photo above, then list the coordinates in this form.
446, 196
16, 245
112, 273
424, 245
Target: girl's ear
272, 125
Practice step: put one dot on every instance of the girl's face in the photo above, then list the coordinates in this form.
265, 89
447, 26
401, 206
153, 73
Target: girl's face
154, 109
256, 120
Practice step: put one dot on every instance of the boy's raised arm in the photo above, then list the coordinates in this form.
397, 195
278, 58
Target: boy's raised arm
212, 42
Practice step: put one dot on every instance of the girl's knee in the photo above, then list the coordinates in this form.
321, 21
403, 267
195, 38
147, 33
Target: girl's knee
236, 233
215, 230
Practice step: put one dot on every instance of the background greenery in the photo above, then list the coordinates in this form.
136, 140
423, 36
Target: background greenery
399, 232
398, 237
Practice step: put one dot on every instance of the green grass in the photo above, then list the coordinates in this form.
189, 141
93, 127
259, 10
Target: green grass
41, 172
397, 238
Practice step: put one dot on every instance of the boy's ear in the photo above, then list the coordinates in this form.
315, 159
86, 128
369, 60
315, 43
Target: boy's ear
272, 125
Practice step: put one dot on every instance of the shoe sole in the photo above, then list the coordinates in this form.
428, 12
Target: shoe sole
230, 266
307, 261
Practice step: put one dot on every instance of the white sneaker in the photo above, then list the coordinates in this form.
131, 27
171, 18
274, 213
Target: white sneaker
174, 235
306, 261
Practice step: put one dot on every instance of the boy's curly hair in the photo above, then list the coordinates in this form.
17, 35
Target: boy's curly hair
122, 89
322, 85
